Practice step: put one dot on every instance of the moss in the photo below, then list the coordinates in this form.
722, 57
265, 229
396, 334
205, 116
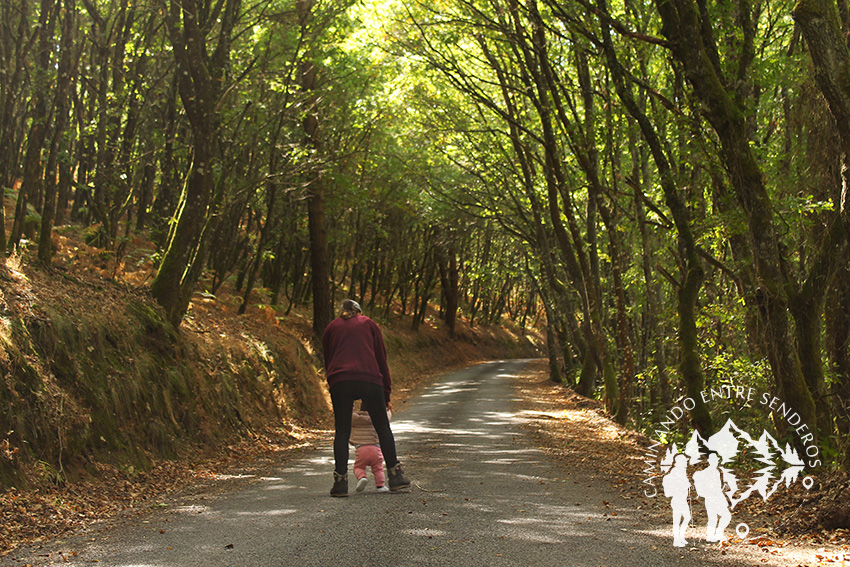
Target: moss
11, 476
807, 10
155, 333
178, 382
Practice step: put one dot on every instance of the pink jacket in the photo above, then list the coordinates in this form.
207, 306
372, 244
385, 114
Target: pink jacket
362, 431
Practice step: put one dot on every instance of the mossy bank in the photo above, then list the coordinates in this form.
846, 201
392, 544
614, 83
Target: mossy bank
92, 372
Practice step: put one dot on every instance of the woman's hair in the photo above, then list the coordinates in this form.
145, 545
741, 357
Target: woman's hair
350, 308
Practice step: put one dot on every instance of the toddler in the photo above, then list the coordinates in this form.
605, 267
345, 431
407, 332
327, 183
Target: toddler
367, 450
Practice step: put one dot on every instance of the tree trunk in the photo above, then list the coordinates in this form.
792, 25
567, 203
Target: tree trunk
164, 206
651, 287
321, 277
692, 271
61, 110
449, 283
175, 275
265, 233
33, 175
570, 243
838, 347
807, 309
683, 27
540, 236
63, 192
13, 59
145, 195
200, 84
821, 27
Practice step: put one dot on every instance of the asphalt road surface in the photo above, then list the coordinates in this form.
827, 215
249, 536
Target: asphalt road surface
482, 495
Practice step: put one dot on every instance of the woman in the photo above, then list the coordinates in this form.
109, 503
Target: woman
356, 369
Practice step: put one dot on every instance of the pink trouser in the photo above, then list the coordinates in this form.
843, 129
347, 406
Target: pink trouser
369, 456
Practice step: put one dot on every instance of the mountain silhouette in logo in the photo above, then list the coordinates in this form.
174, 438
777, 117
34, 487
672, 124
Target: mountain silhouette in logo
731, 435
734, 446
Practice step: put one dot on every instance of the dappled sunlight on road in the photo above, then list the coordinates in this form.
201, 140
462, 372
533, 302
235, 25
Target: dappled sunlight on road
268, 513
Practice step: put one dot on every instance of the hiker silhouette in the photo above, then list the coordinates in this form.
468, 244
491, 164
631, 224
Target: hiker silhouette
676, 486
708, 483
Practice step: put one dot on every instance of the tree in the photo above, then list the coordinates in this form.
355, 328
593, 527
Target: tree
692, 273
694, 47
200, 79
322, 308
65, 75
33, 172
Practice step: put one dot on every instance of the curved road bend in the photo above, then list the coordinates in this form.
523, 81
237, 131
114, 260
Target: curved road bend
482, 496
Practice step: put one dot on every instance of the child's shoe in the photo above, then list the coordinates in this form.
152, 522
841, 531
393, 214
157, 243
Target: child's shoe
361, 484
382, 489
340, 487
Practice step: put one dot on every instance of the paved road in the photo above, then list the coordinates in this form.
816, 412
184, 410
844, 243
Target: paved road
482, 496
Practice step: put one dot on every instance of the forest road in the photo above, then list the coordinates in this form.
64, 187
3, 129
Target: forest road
483, 495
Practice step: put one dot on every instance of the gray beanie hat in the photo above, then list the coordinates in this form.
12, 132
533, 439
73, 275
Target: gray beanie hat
351, 305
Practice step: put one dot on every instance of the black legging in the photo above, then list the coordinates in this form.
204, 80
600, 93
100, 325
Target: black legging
343, 395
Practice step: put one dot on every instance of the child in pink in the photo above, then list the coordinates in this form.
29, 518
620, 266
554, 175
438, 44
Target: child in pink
367, 450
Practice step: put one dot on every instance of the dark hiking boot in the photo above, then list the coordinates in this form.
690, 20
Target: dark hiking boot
340, 488
397, 480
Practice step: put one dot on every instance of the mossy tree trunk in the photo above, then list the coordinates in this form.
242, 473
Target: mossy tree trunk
838, 347
692, 275
821, 26
201, 75
694, 48
807, 309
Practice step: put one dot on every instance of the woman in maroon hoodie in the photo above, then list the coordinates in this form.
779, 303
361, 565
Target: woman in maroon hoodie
356, 369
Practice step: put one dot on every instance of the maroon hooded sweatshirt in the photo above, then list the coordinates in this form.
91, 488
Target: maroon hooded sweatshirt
354, 350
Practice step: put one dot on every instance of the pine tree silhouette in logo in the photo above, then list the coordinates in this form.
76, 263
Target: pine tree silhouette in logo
716, 484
